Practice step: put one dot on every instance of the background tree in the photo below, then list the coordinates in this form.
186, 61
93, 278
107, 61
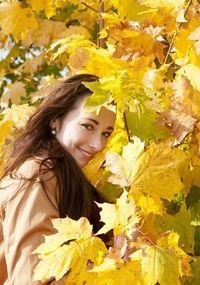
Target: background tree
147, 55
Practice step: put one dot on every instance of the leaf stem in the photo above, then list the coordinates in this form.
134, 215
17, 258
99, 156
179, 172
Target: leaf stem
146, 237
126, 126
175, 35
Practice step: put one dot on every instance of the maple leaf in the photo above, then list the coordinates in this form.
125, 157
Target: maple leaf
100, 98
195, 265
134, 42
17, 21
69, 249
153, 78
5, 128
111, 272
79, 59
169, 240
182, 110
123, 219
30, 65
143, 125
101, 62
169, 6
47, 32
147, 204
179, 223
192, 72
47, 85
93, 170
153, 172
195, 36
13, 92
18, 114
131, 9
159, 265
165, 262
192, 201
48, 5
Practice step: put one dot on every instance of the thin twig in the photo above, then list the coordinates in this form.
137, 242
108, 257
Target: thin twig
107, 10
175, 35
88, 6
126, 126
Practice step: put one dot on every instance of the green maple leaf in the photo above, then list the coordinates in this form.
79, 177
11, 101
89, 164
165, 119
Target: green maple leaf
143, 126
99, 98
179, 223
192, 202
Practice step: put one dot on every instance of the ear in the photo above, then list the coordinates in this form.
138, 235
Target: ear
53, 123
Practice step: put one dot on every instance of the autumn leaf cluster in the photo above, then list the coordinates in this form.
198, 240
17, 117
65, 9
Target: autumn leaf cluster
147, 56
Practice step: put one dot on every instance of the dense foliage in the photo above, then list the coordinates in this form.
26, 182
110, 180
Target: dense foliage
147, 55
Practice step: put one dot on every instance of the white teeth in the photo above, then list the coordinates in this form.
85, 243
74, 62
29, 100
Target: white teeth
86, 153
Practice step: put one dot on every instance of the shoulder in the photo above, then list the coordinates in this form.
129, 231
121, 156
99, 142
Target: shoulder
29, 176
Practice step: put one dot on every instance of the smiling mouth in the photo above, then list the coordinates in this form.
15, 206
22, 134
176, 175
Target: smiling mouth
86, 154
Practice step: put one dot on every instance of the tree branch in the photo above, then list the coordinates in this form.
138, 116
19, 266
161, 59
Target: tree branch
101, 42
107, 10
175, 35
88, 6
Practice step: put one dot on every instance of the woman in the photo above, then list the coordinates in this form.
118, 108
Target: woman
43, 179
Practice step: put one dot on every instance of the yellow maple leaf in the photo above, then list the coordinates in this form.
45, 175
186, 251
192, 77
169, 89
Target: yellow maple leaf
101, 62
181, 224
46, 32
180, 113
79, 59
169, 6
112, 273
136, 43
46, 86
70, 249
16, 20
5, 128
193, 74
30, 65
74, 38
93, 170
153, 172
160, 265
182, 50
49, 6
184, 108
147, 204
123, 218
131, 9
18, 114
13, 92
165, 262
169, 240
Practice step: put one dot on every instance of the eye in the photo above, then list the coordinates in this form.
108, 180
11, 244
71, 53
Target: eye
106, 134
87, 126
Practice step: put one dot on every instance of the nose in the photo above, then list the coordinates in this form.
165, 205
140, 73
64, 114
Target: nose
96, 142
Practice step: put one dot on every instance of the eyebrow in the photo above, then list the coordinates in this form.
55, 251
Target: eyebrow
94, 121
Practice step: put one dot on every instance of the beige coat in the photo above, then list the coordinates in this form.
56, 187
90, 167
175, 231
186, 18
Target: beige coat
25, 216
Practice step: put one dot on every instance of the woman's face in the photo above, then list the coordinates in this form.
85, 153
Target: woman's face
83, 135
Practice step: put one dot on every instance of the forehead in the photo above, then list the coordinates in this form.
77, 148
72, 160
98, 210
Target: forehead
105, 116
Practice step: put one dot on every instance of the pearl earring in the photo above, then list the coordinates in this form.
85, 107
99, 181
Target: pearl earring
53, 131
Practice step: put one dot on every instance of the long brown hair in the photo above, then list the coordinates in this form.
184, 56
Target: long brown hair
76, 195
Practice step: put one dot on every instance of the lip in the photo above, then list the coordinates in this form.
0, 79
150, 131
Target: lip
86, 154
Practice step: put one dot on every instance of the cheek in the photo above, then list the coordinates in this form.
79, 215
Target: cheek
74, 137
